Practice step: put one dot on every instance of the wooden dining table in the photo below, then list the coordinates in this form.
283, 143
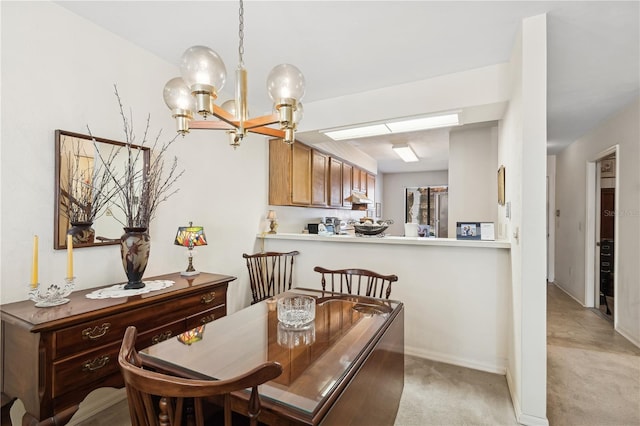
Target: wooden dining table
346, 367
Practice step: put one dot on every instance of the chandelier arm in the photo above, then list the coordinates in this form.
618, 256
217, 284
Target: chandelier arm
265, 120
224, 115
268, 131
208, 124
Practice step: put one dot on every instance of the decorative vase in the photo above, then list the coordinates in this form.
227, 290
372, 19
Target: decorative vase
134, 249
82, 233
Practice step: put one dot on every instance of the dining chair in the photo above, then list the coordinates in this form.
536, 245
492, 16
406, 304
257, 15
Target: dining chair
270, 273
362, 282
160, 399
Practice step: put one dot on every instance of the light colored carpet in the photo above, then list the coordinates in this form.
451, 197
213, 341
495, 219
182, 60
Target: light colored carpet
593, 373
448, 395
593, 379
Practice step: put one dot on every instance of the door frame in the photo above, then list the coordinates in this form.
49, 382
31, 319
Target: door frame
592, 228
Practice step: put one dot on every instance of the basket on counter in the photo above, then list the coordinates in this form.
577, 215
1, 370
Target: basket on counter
371, 229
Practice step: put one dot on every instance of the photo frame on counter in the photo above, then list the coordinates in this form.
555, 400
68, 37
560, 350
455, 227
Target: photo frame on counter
484, 231
378, 209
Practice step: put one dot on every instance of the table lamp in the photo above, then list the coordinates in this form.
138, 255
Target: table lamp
190, 236
273, 221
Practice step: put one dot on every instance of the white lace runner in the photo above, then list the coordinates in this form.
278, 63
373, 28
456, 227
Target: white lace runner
119, 291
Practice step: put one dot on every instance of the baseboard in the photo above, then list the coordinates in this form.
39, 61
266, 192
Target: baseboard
92, 406
523, 419
515, 400
559, 285
498, 368
627, 336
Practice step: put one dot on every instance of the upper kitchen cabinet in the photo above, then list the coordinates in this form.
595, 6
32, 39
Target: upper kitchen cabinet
336, 182
302, 176
289, 174
371, 187
319, 178
347, 183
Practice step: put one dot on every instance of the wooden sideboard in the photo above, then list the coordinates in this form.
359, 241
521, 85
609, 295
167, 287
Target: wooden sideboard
53, 357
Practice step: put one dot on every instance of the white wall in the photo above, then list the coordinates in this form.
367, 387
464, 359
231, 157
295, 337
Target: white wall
571, 188
448, 317
58, 73
473, 167
551, 217
522, 150
393, 201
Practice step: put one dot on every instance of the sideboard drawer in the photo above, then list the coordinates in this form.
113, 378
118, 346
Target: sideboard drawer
160, 334
83, 369
206, 316
111, 328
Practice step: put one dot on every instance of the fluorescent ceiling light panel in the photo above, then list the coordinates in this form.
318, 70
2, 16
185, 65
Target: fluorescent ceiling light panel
413, 124
406, 153
358, 132
423, 123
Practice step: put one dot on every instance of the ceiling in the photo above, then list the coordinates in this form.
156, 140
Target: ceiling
347, 47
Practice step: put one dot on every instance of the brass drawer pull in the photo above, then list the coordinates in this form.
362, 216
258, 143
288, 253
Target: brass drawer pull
96, 364
208, 298
161, 337
96, 332
207, 319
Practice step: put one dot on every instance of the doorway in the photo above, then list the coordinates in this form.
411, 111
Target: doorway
602, 231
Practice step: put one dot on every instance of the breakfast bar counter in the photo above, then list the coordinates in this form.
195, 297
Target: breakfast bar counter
456, 293
389, 239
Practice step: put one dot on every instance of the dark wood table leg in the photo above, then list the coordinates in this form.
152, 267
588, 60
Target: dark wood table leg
58, 419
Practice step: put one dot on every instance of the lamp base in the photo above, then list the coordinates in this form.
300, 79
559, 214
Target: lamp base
189, 273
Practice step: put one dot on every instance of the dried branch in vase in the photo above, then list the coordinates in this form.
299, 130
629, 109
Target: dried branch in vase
140, 190
86, 189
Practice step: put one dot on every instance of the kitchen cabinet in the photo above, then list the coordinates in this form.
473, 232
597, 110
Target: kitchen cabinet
347, 183
371, 188
319, 178
335, 182
289, 174
302, 176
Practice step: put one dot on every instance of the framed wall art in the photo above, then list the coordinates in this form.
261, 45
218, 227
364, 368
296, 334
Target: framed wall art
501, 185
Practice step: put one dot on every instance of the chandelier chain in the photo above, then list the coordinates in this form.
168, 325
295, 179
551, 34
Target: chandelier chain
241, 35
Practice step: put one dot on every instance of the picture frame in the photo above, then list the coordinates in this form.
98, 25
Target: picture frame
608, 168
468, 230
378, 209
484, 231
501, 183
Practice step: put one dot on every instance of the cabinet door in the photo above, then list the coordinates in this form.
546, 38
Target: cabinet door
335, 182
356, 179
363, 181
371, 189
301, 174
280, 155
319, 178
347, 183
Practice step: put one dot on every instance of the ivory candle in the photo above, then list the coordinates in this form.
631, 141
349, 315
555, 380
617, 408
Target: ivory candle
34, 265
69, 257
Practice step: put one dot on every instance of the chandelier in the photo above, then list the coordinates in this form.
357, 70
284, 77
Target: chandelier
203, 75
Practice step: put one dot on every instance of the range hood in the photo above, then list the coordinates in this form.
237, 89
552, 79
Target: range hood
358, 197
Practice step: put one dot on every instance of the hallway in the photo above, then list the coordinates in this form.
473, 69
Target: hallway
593, 373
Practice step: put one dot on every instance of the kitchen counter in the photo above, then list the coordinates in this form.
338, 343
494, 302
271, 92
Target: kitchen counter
389, 240
456, 293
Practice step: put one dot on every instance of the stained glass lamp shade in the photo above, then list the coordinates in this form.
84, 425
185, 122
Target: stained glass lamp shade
190, 237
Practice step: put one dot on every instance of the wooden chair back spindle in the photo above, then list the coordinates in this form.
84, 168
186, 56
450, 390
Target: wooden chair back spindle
362, 282
270, 273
